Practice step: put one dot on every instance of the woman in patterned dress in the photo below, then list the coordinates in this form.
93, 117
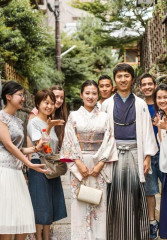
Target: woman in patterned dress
16, 212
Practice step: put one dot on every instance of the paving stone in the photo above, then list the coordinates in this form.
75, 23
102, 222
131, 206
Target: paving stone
61, 232
67, 191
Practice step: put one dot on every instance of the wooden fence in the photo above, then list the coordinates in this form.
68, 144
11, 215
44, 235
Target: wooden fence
154, 42
11, 74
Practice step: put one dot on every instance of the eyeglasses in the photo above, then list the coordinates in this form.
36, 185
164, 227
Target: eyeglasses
19, 94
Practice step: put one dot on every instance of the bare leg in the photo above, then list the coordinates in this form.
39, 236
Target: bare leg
151, 202
46, 232
20, 236
6, 237
38, 233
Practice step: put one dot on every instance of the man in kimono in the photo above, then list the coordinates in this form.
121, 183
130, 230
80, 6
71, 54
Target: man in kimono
127, 213
106, 88
147, 87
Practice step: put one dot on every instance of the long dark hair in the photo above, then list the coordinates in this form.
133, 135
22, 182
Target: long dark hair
60, 113
162, 87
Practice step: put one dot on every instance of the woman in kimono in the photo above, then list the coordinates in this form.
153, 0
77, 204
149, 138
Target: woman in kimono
90, 149
161, 122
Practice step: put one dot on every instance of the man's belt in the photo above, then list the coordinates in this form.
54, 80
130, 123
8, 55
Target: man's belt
125, 124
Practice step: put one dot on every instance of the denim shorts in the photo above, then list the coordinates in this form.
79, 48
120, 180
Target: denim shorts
151, 185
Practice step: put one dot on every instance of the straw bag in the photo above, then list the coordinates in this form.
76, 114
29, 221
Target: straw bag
57, 168
89, 194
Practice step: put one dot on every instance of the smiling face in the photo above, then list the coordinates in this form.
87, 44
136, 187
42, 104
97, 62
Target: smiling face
59, 94
16, 99
46, 106
89, 97
147, 87
105, 88
123, 81
161, 100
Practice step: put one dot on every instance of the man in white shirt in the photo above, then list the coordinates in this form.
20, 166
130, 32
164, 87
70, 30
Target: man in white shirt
106, 88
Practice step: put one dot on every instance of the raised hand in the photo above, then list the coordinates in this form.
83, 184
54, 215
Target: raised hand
156, 120
163, 123
57, 122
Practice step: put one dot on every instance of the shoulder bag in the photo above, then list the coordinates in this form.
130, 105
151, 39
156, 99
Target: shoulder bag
57, 168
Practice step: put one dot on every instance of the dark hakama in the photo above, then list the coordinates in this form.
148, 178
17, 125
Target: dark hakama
127, 214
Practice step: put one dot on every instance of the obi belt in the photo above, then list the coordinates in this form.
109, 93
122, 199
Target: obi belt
90, 141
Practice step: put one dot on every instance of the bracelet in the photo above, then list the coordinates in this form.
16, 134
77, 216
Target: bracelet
35, 149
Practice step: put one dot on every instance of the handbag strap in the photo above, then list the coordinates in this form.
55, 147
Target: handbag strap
83, 182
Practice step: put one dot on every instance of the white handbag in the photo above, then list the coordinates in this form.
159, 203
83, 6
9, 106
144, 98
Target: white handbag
89, 195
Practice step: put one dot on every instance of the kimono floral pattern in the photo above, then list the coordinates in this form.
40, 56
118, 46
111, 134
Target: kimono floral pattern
88, 137
30, 237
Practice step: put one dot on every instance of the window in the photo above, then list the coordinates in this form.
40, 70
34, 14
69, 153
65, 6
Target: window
131, 55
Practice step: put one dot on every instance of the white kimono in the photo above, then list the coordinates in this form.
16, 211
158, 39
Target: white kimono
88, 137
146, 142
163, 151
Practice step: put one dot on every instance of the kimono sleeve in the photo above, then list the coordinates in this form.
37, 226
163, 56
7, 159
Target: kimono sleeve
107, 151
70, 150
163, 152
149, 142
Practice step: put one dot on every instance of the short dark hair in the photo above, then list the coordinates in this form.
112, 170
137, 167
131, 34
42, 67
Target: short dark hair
163, 87
123, 67
89, 83
102, 77
146, 75
10, 88
42, 95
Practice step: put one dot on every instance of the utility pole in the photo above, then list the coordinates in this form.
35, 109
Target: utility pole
57, 34
56, 12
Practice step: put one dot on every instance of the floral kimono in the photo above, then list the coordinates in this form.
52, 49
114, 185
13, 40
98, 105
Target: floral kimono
88, 137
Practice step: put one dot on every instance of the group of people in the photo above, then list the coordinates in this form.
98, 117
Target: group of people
116, 144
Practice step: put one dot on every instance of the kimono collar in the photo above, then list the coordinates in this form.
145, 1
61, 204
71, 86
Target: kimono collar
124, 99
93, 113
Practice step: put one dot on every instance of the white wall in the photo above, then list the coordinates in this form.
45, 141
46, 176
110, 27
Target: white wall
68, 14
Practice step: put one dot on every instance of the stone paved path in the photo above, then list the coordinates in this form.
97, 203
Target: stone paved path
61, 229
